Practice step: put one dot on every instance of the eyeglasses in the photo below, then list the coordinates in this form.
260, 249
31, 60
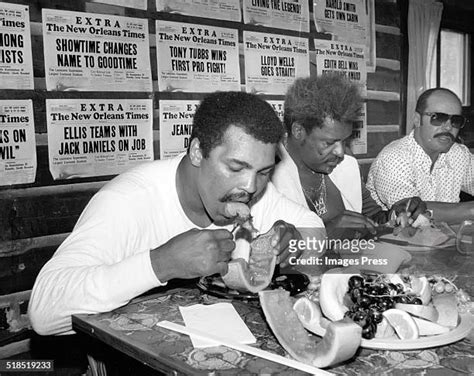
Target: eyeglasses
439, 118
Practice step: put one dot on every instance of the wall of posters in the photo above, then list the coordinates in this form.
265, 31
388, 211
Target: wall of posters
348, 21
197, 58
176, 119
283, 14
345, 20
345, 58
90, 137
273, 62
16, 64
358, 142
137, 4
348, 60
89, 51
219, 9
17, 142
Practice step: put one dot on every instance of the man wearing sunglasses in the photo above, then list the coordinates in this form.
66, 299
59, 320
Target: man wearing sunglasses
428, 162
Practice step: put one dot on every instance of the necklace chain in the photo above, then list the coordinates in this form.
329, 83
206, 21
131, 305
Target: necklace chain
319, 203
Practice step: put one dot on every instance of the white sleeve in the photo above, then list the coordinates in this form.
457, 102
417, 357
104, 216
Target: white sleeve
95, 270
468, 177
391, 179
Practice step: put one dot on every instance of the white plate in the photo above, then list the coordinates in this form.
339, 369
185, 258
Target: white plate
461, 331
442, 227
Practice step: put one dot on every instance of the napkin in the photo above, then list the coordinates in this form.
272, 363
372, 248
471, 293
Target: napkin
220, 319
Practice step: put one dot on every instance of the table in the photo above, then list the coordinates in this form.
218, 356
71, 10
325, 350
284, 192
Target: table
132, 329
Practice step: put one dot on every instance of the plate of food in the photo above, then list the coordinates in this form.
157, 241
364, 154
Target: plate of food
293, 282
431, 235
214, 285
395, 312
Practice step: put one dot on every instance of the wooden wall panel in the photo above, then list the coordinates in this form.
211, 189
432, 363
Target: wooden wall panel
380, 112
388, 46
387, 13
41, 215
18, 272
384, 80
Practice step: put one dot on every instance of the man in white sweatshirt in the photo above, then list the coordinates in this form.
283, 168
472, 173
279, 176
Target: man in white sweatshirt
172, 218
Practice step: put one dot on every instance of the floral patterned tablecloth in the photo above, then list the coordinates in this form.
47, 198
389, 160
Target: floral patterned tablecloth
135, 325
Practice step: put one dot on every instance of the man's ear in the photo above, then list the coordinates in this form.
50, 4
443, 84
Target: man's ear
416, 120
195, 152
297, 131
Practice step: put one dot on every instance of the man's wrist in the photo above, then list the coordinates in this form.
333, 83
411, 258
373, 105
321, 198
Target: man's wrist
429, 213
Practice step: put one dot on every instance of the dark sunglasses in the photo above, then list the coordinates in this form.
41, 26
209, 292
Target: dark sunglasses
439, 118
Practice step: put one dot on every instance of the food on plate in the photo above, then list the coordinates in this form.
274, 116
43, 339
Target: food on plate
423, 231
310, 315
421, 221
427, 312
428, 328
255, 273
446, 305
402, 322
333, 287
365, 298
418, 286
338, 344
384, 329
426, 235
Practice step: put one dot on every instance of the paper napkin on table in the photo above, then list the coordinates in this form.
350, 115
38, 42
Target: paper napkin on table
220, 319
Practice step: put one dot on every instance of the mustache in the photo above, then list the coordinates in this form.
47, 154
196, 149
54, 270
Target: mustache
240, 197
445, 134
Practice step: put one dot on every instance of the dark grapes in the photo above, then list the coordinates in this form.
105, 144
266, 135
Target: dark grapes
355, 294
364, 301
356, 281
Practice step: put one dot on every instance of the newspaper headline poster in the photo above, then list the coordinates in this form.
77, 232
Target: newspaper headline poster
137, 4
273, 62
283, 14
345, 20
90, 51
197, 58
91, 137
17, 142
348, 60
16, 63
278, 107
228, 10
358, 142
176, 125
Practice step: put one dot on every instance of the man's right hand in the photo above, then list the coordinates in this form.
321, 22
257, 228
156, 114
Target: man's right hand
350, 225
194, 253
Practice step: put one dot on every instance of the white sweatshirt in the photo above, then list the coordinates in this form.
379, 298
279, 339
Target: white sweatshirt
105, 262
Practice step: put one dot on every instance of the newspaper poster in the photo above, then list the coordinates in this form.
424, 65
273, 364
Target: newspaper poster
345, 20
358, 142
16, 63
92, 137
278, 107
197, 58
176, 125
137, 4
227, 10
17, 142
95, 52
346, 59
282, 14
370, 39
273, 62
